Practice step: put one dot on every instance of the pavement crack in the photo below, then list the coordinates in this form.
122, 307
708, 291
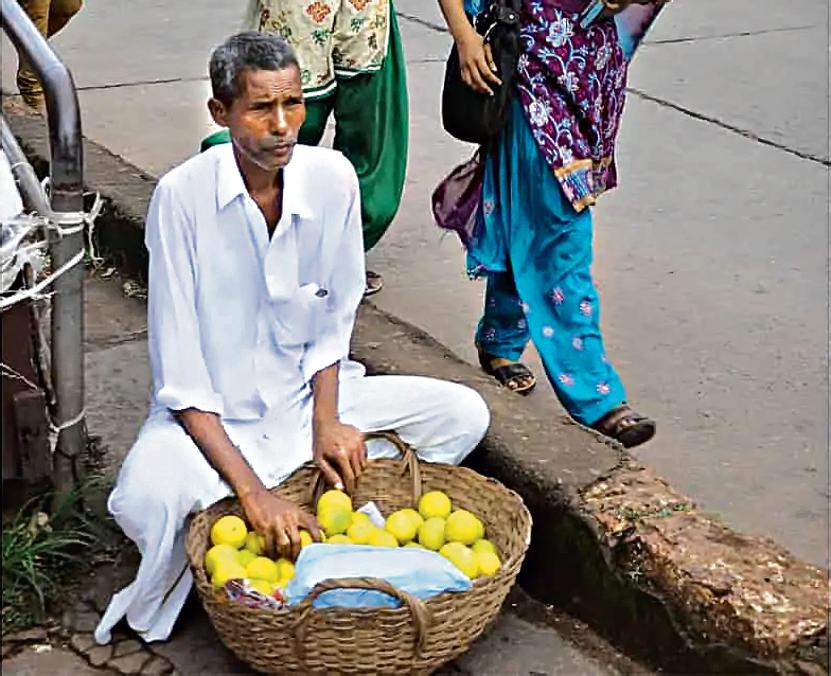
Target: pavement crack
725, 36
438, 28
141, 83
429, 59
746, 133
106, 342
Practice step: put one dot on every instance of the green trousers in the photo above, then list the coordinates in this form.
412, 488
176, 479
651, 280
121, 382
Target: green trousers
371, 130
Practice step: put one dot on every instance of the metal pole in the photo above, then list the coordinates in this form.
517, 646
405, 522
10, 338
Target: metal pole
66, 175
30, 188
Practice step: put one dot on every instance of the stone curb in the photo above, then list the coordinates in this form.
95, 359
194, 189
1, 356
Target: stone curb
613, 543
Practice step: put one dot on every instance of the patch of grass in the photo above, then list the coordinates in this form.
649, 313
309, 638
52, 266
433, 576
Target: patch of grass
41, 550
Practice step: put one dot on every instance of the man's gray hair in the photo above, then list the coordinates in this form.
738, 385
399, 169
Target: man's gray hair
246, 51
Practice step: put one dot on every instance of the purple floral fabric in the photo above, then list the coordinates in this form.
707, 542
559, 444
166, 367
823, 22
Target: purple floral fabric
571, 84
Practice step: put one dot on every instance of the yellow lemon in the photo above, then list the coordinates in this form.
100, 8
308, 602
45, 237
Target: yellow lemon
359, 532
255, 543
227, 570
462, 557
334, 499
484, 546
464, 527
262, 586
339, 539
488, 563
413, 545
217, 553
414, 515
305, 538
229, 530
360, 517
334, 520
402, 526
381, 538
434, 503
286, 569
431, 533
245, 556
262, 568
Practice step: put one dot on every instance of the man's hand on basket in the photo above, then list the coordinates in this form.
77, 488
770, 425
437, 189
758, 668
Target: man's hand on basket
279, 522
340, 453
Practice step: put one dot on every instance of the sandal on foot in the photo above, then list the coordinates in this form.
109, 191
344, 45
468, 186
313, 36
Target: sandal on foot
626, 426
374, 283
512, 375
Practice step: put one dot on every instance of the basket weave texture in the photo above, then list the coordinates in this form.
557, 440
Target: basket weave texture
418, 636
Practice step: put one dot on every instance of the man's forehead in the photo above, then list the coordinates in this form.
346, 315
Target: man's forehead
263, 82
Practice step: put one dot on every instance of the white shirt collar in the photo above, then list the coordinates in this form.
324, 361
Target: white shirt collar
230, 184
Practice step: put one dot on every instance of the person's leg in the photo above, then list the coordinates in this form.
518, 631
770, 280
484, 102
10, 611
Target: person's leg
27, 82
550, 258
502, 334
163, 479
317, 113
372, 131
443, 421
60, 12
564, 316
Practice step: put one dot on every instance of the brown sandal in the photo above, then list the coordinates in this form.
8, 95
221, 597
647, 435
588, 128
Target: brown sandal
374, 283
509, 374
626, 426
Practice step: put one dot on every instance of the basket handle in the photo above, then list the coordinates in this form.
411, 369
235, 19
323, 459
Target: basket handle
409, 463
421, 615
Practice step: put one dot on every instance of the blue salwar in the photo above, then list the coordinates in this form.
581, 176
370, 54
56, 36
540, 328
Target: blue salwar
536, 251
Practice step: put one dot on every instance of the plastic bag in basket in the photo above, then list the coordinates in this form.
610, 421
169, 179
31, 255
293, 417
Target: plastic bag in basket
420, 572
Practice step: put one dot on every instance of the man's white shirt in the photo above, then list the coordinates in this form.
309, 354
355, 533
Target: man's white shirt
238, 322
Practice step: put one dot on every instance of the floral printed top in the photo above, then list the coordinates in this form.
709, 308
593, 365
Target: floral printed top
572, 83
331, 37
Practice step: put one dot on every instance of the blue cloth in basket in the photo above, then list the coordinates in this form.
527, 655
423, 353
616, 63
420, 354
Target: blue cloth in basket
420, 572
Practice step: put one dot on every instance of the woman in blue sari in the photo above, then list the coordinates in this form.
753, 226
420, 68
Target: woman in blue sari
531, 234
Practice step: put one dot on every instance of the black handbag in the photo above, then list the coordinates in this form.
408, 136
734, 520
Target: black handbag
466, 114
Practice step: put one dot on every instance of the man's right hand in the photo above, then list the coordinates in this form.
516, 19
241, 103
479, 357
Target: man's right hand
279, 522
476, 62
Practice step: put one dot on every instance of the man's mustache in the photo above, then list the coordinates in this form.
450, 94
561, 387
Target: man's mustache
279, 143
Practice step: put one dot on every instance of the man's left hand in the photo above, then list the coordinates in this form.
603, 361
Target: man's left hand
340, 453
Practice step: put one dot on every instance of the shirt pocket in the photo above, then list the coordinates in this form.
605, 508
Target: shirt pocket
298, 319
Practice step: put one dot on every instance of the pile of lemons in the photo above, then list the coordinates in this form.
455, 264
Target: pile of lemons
458, 535
237, 554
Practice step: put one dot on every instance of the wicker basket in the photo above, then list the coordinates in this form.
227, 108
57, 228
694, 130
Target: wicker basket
418, 636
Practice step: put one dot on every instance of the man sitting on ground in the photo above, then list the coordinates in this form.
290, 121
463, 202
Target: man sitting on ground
256, 273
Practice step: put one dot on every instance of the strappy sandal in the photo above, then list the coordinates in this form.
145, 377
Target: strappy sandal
509, 374
626, 426
374, 283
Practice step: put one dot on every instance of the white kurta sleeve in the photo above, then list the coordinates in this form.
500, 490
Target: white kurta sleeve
346, 288
180, 376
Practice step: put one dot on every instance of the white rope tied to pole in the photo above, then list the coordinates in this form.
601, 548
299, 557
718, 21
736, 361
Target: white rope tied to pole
64, 224
34, 291
57, 428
